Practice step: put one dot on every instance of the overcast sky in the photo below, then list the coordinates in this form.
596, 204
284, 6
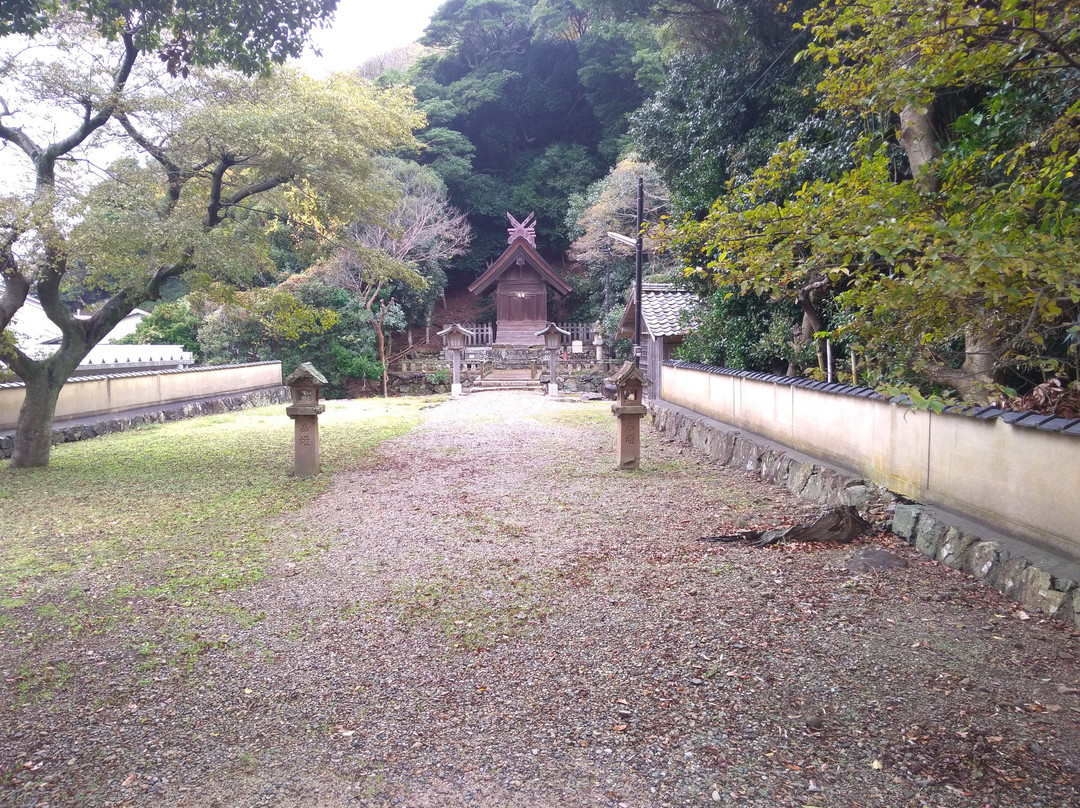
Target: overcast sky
366, 28
362, 29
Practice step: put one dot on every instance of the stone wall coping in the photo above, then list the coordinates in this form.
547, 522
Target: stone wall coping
1031, 420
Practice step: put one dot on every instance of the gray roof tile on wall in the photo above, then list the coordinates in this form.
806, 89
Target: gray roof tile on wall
1048, 423
662, 308
1058, 424
1034, 420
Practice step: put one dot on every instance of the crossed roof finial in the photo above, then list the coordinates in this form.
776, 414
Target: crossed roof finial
525, 229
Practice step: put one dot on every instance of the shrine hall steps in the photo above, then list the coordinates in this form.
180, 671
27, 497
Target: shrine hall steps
507, 379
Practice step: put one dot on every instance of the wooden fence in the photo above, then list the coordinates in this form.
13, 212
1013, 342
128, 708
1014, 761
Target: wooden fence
483, 334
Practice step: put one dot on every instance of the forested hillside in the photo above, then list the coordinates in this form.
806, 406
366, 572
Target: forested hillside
894, 181
896, 178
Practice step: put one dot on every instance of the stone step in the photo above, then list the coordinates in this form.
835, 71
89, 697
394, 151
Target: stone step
529, 387
503, 383
509, 375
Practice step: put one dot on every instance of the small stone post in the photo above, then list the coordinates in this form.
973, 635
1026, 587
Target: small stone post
304, 384
454, 338
629, 382
553, 337
598, 342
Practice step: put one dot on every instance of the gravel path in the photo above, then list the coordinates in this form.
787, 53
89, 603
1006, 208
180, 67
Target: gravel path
492, 616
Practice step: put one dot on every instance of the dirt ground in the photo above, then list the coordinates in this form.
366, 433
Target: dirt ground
491, 615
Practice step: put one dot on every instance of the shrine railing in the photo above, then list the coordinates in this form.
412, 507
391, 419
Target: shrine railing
485, 333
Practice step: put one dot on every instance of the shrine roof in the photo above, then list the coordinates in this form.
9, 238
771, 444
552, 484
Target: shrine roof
519, 249
662, 309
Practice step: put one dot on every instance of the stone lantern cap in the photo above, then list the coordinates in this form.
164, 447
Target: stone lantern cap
456, 329
628, 381
552, 335
551, 328
454, 336
304, 384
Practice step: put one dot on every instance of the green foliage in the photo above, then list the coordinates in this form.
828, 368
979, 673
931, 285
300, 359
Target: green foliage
351, 365
333, 332
524, 100
954, 280
168, 324
476, 31
545, 183
439, 377
890, 55
249, 35
747, 332
719, 117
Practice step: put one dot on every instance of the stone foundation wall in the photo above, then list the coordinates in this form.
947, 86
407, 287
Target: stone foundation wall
580, 382
1012, 575
176, 412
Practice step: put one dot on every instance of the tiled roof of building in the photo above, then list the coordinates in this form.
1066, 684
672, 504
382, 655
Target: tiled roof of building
662, 310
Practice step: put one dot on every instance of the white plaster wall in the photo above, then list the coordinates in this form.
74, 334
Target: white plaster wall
100, 395
1016, 479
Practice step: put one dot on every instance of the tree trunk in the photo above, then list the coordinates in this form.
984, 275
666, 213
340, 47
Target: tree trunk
978, 376
607, 286
813, 321
33, 429
380, 341
803, 333
917, 140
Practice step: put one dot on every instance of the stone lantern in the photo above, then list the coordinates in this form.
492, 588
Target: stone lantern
629, 383
553, 340
304, 384
454, 339
598, 341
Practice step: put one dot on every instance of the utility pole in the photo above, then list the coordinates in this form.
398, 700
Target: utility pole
637, 272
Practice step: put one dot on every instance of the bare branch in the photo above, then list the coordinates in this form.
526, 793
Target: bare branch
257, 188
92, 122
16, 136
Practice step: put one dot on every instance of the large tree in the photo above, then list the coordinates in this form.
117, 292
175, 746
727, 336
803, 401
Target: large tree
398, 261
198, 167
950, 247
610, 205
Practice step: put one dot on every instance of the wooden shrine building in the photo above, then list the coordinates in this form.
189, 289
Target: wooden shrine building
521, 279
